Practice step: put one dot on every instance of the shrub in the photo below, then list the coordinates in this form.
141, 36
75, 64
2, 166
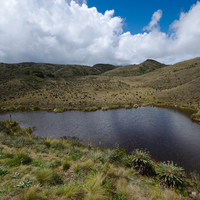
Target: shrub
141, 162
170, 175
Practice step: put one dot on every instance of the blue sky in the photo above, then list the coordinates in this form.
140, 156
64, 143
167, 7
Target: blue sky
137, 14
93, 31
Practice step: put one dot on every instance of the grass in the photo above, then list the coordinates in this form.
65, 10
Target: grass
29, 86
69, 170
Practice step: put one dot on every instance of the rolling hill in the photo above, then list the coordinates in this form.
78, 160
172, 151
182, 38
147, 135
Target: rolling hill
78, 86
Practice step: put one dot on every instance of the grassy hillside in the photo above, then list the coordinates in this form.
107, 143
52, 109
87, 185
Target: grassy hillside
135, 70
33, 168
179, 83
100, 86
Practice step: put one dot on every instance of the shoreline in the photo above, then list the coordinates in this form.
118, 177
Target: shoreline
195, 112
83, 162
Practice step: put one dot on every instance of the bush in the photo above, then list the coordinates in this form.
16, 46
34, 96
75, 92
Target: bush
141, 162
170, 175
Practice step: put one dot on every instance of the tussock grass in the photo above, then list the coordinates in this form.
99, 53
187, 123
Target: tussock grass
66, 165
93, 187
69, 191
31, 194
69, 170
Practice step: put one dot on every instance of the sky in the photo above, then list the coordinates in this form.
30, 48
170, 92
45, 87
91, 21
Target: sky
87, 32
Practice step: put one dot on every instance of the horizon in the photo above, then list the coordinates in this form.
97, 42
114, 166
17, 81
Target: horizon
97, 63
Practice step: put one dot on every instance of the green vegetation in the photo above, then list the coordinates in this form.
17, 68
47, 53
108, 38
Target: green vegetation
44, 168
170, 174
196, 116
61, 88
141, 162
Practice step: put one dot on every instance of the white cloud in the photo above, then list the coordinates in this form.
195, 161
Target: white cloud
154, 21
65, 31
80, 2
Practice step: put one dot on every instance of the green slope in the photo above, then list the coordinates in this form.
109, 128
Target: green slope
102, 85
135, 70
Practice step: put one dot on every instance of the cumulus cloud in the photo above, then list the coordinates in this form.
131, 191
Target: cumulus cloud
67, 31
80, 2
154, 21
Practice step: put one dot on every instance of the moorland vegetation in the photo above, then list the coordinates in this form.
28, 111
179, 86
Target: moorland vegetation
33, 168
103, 86
42, 168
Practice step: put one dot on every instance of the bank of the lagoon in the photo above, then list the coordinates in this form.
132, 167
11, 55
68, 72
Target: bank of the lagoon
169, 134
41, 168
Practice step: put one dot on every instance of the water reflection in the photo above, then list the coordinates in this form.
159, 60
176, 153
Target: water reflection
168, 134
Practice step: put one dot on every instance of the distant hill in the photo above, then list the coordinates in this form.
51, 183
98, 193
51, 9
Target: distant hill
135, 70
100, 85
53, 70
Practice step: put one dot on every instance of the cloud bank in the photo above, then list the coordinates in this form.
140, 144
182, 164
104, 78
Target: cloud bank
68, 32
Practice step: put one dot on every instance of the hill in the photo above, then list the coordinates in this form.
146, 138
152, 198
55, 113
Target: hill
51, 70
135, 70
103, 85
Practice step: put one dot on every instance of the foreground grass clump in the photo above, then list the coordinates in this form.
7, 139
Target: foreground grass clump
44, 168
170, 174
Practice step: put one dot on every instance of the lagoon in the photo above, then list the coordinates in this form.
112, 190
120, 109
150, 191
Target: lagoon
169, 134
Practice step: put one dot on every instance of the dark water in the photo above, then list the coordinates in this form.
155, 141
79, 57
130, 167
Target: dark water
168, 134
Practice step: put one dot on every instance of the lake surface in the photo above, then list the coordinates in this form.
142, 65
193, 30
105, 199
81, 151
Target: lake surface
167, 133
